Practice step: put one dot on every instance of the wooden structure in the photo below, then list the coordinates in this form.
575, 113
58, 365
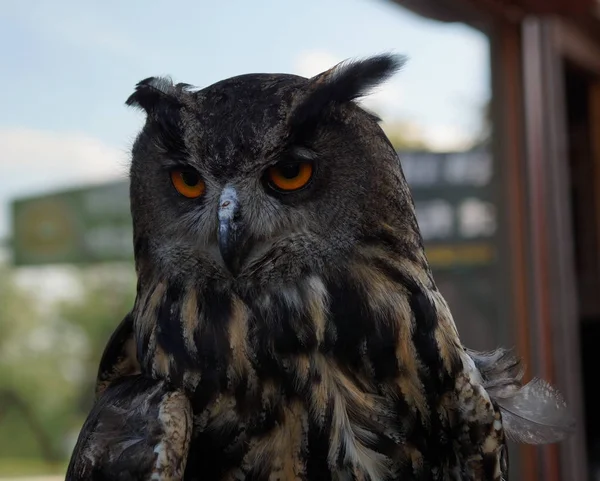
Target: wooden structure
546, 124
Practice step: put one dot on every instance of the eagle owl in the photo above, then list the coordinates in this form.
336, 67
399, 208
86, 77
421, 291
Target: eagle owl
287, 325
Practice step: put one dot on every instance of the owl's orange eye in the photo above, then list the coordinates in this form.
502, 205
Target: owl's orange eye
287, 177
188, 183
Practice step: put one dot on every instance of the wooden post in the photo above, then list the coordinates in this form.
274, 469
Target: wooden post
509, 142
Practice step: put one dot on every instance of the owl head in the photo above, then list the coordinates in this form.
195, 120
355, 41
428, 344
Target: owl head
259, 179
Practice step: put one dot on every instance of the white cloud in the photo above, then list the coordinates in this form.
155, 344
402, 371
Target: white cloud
35, 161
57, 158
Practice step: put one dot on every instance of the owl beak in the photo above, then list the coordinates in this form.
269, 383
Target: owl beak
231, 236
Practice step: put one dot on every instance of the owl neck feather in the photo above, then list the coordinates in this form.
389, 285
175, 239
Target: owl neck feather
359, 356
380, 317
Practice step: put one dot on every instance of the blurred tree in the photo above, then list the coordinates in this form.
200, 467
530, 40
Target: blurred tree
405, 135
11, 400
49, 355
29, 386
109, 293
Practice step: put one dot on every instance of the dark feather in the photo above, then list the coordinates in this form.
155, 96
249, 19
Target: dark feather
136, 425
152, 92
118, 358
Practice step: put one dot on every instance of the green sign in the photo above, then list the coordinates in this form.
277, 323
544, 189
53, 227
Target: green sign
83, 225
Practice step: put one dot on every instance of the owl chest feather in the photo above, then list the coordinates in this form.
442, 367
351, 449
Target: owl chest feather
313, 379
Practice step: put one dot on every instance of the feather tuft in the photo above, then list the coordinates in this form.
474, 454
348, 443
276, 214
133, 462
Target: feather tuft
532, 414
343, 83
536, 414
151, 92
501, 370
162, 101
157, 93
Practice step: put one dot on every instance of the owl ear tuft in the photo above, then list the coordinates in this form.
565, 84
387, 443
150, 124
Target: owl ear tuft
343, 83
153, 92
162, 102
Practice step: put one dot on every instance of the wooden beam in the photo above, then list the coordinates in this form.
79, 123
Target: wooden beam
578, 47
513, 10
555, 7
509, 130
477, 13
536, 160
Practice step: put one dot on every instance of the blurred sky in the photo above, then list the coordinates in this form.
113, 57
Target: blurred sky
68, 66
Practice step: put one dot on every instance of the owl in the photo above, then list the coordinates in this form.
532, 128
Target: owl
287, 325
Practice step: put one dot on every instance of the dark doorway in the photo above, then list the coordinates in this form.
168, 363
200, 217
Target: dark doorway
582, 130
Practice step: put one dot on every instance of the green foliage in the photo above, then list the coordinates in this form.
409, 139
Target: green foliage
108, 296
33, 466
49, 354
25, 371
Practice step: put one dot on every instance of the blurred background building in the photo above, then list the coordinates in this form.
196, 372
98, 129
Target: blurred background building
496, 118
